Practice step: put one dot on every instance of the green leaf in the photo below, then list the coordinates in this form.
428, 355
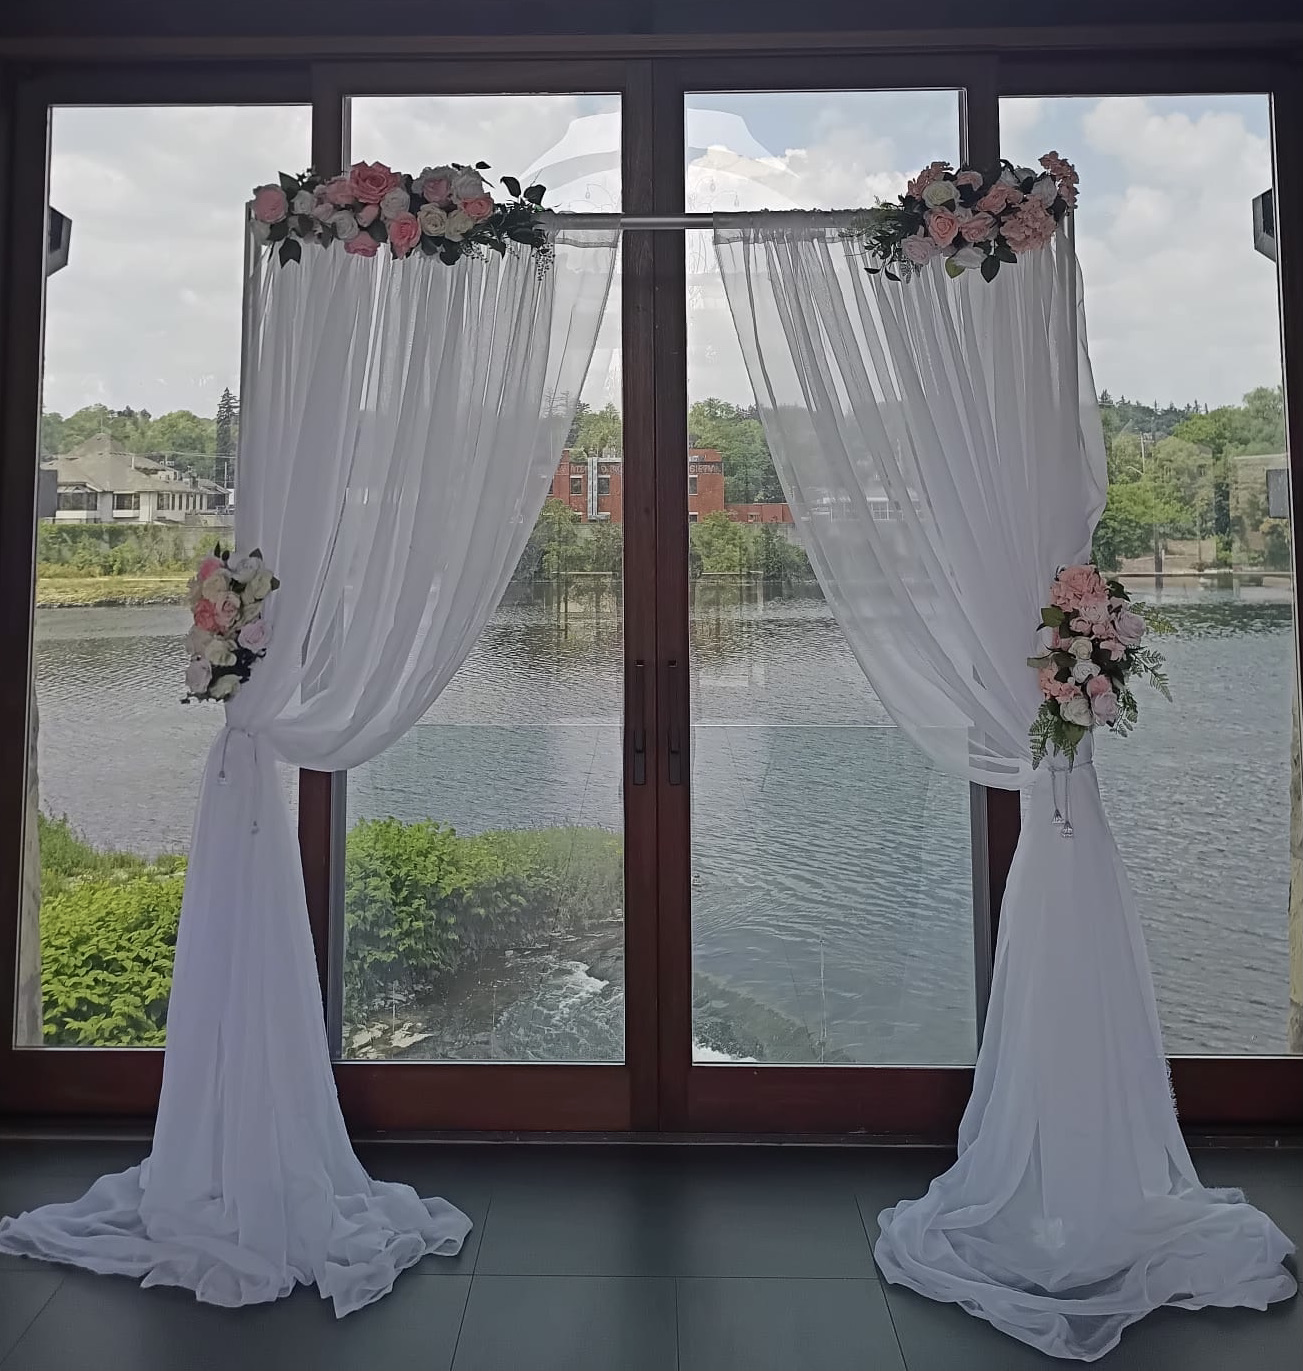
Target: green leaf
429, 245
376, 228
289, 184
512, 185
889, 274
481, 166
291, 251
1052, 616
990, 267
1005, 253
279, 231
953, 268
534, 194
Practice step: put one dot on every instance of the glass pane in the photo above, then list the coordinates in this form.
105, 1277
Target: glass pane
569, 143
484, 901
141, 413
1185, 340
832, 889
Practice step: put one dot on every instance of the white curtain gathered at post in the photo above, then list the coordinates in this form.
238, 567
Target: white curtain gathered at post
939, 444
401, 421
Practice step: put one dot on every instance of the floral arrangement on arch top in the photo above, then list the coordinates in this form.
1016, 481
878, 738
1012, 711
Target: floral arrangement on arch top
447, 212
971, 218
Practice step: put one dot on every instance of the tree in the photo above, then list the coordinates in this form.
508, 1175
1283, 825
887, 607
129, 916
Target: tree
185, 440
1135, 518
737, 435
598, 432
53, 434
226, 435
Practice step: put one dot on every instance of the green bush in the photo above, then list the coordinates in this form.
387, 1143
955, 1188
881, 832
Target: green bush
108, 550
106, 959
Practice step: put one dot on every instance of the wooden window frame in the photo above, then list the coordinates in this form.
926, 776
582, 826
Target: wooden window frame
1240, 1092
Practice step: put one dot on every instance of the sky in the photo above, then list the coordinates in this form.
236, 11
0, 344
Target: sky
1179, 305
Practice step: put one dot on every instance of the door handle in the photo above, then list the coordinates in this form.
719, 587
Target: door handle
638, 718
674, 723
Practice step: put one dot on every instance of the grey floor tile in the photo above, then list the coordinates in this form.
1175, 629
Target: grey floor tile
938, 1337
1271, 1179
903, 1175
550, 1323
693, 1222
23, 1294
732, 1324
107, 1323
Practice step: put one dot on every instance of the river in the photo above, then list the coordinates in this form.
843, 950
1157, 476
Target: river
831, 879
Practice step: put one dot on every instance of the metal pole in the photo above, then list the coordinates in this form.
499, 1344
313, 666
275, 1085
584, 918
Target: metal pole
560, 220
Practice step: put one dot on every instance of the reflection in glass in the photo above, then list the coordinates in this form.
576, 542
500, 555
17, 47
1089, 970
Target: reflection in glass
1185, 341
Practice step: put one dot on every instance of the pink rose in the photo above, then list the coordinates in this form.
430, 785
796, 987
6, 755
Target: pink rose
339, 191
1104, 707
478, 206
372, 181
999, 197
1063, 691
255, 636
206, 616
404, 233
977, 229
1097, 685
368, 214
925, 178
362, 246
226, 611
322, 209
919, 248
437, 190
208, 566
942, 226
1113, 648
1130, 627
270, 205
969, 178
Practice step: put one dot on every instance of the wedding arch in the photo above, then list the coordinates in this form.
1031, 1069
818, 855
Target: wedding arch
413, 337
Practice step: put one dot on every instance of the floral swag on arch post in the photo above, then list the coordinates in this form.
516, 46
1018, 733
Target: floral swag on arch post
949, 373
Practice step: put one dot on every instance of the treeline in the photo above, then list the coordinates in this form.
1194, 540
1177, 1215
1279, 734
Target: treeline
189, 442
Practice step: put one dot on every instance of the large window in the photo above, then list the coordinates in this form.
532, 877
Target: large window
142, 355
1185, 343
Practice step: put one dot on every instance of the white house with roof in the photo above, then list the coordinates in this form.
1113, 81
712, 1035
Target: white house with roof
100, 482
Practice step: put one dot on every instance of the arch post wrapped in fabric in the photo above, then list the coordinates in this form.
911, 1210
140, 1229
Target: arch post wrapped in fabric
1074, 1208
400, 425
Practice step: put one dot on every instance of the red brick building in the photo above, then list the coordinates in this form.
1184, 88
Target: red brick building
594, 488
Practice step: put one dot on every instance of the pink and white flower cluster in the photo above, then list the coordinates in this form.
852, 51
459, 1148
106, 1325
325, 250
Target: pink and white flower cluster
1089, 644
446, 211
229, 634
971, 218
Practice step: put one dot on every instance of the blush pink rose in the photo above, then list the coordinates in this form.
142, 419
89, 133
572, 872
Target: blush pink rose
999, 197
206, 616
1030, 226
1104, 707
977, 229
1063, 691
404, 233
339, 191
969, 178
942, 226
226, 610
322, 208
1114, 648
478, 206
437, 190
372, 181
255, 636
362, 246
919, 248
208, 566
270, 205
368, 214
925, 178
1097, 685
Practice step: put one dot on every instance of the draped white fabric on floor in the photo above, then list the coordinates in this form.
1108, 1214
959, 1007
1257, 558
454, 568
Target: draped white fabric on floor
939, 444
401, 421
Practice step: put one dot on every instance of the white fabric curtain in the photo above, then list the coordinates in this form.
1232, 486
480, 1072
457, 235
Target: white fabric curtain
939, 444
400, 425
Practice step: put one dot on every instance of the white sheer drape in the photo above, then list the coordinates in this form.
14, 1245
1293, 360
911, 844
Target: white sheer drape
939, 445
401, 422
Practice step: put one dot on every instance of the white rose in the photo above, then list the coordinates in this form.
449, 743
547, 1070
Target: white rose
215, 586
1045, 640
1045, 191
466, 184
1075, 711
1023, 173
249, 613
432, 220
939, 193
1010, 178
218, 651
261, 231
1081, 648
258, 587
395, 202
197, 675
224, 687
968, 256
443, 173
458, 226
197, 640
345, 225
303, 202
1083, 671
242, 568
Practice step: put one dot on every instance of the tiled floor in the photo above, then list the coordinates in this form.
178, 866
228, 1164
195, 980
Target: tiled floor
609, 1259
